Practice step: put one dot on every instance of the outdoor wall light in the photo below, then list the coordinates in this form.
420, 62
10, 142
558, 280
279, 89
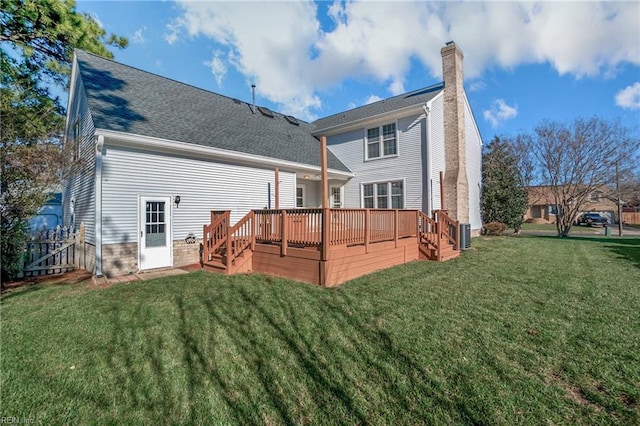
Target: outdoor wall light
177, 200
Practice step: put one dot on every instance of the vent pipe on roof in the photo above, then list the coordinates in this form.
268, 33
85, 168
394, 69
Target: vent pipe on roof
253, 92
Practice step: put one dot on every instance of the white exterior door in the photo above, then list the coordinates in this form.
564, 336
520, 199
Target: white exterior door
155, 246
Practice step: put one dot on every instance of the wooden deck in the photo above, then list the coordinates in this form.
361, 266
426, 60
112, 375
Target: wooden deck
326, 246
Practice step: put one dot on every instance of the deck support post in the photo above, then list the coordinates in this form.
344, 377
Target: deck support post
396, 231
439, 240
284, 232
326, 219
277, 188
326, 235
228, 250
442, 200
367, 224
253, 231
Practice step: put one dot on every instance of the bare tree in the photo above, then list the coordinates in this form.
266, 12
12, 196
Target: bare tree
579, 158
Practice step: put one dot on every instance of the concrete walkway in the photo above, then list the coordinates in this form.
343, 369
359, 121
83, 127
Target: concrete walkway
147, 275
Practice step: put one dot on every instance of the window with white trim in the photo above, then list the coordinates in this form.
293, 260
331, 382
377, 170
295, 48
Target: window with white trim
383, 195
336, 197
300, 196
382, 141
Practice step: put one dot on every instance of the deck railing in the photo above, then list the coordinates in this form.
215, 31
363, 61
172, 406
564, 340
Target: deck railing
215, 234
448, 228
310, 227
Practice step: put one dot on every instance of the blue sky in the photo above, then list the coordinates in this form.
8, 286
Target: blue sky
524, 62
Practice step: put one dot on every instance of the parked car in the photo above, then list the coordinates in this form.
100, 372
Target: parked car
592, 219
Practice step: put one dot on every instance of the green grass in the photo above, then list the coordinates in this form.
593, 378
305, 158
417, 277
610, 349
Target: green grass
551, 228
517, 330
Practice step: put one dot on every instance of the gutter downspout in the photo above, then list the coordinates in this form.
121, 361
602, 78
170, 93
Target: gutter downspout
98, 195
427, 110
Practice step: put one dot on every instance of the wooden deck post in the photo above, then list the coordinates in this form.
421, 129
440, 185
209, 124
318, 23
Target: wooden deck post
367, 223
326, 218
439, 241
284, 232
395, 227
323, 169
228, 249
442, 201
277, 179
326, 234
253, 230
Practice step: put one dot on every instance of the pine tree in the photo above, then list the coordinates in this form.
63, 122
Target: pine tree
37, 39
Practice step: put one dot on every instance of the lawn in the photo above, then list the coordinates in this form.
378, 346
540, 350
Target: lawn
517, 330
575, 229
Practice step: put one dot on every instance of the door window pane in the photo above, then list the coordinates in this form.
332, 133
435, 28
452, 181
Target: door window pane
155, 226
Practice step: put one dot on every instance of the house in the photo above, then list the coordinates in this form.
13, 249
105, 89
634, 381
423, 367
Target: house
50, 215
158, 157
542, 206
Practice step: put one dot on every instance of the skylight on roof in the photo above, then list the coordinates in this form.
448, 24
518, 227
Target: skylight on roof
291, 119
266, 112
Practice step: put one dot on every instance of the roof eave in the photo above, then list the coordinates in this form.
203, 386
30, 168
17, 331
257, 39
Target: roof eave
328, 131
176, 147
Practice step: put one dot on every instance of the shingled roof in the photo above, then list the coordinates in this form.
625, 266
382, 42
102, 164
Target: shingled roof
126, 99
416, 97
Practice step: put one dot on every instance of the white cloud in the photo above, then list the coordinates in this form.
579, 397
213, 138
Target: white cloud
477, 86
282, 47
138, 36
173, 31
371, 99
218, 67
499, 112
629, 97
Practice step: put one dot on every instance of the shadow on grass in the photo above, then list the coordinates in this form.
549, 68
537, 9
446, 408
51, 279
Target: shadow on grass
626, 248
255, 358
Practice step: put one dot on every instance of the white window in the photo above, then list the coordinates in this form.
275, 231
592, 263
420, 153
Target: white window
382, 141
336, 197
300, 196
383, 195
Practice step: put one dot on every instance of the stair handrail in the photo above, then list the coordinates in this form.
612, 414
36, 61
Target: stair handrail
428, 230
240, 237
214, 235
447, 223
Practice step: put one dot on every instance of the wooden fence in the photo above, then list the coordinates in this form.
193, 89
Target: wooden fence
54, 251
632, 218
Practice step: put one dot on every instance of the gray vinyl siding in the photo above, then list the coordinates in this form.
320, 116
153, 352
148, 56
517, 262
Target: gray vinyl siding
474, 166
80, 184
201, 184
436, 149
407, 166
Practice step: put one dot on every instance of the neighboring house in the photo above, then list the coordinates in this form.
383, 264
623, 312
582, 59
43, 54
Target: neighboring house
50, 215
543, 209
158, 155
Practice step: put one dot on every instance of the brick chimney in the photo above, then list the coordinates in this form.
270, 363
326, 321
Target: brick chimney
456, 186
